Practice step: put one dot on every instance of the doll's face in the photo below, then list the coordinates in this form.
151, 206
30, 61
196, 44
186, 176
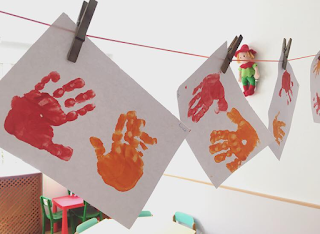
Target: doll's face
244, 56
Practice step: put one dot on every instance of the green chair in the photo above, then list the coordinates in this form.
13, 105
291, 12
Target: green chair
145, 213
185, 219
53, 217
86, 212
70, 193
85, 225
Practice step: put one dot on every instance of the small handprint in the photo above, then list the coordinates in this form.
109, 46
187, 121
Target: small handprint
240, 143
32, 117
317, 67
316, 105
211, 89
286, 85
122, 167
278, 133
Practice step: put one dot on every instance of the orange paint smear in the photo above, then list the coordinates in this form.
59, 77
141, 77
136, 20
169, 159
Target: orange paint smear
122, 167
239, 143
317, 68
278, 133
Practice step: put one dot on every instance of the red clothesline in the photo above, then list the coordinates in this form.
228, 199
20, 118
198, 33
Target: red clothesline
146, 46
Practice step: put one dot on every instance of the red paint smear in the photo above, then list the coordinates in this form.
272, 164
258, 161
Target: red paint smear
82, 97
32, 116
317, 103
186, 87
72, 85
286, 85
211, 89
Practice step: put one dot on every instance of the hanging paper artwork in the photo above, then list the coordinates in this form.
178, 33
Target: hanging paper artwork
282, 107
87, 125
225, 131
315, 88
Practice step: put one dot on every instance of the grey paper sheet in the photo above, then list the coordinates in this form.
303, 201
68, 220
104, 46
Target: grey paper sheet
139, 135
225, 131
282, 107
315, 88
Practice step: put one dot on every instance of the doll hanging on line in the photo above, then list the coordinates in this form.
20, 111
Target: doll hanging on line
248, 71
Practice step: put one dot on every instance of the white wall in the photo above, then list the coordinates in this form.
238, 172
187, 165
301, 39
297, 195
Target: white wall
220, 211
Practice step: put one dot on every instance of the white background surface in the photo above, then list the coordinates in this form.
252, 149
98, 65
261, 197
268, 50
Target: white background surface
200, 27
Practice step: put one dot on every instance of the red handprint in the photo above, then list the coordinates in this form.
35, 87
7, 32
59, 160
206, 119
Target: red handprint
32, 116
317, 103
211, 89
240, 143
122, 167
286, 85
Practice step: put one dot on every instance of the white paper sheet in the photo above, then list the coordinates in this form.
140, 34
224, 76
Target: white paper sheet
315, 88
225, 131
109, 104
282, 107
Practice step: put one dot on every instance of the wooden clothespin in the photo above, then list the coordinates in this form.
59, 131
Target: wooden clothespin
231, 51
83, 23
285, 51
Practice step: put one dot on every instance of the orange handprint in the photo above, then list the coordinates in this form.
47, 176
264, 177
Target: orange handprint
278, 133
317, 67
122, 167
240, 143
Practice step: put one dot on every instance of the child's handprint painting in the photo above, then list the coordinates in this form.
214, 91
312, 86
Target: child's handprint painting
316, 105
209, 90
122, 167
286, 86
240, 143
315, 88
282, 107
54, 115
33, 116
278, 132
225, 133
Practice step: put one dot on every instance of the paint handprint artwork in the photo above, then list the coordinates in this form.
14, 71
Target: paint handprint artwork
239, 143
278, 133
33, 116
286, 86
122, 167
209, 90
316, 68
316, 104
